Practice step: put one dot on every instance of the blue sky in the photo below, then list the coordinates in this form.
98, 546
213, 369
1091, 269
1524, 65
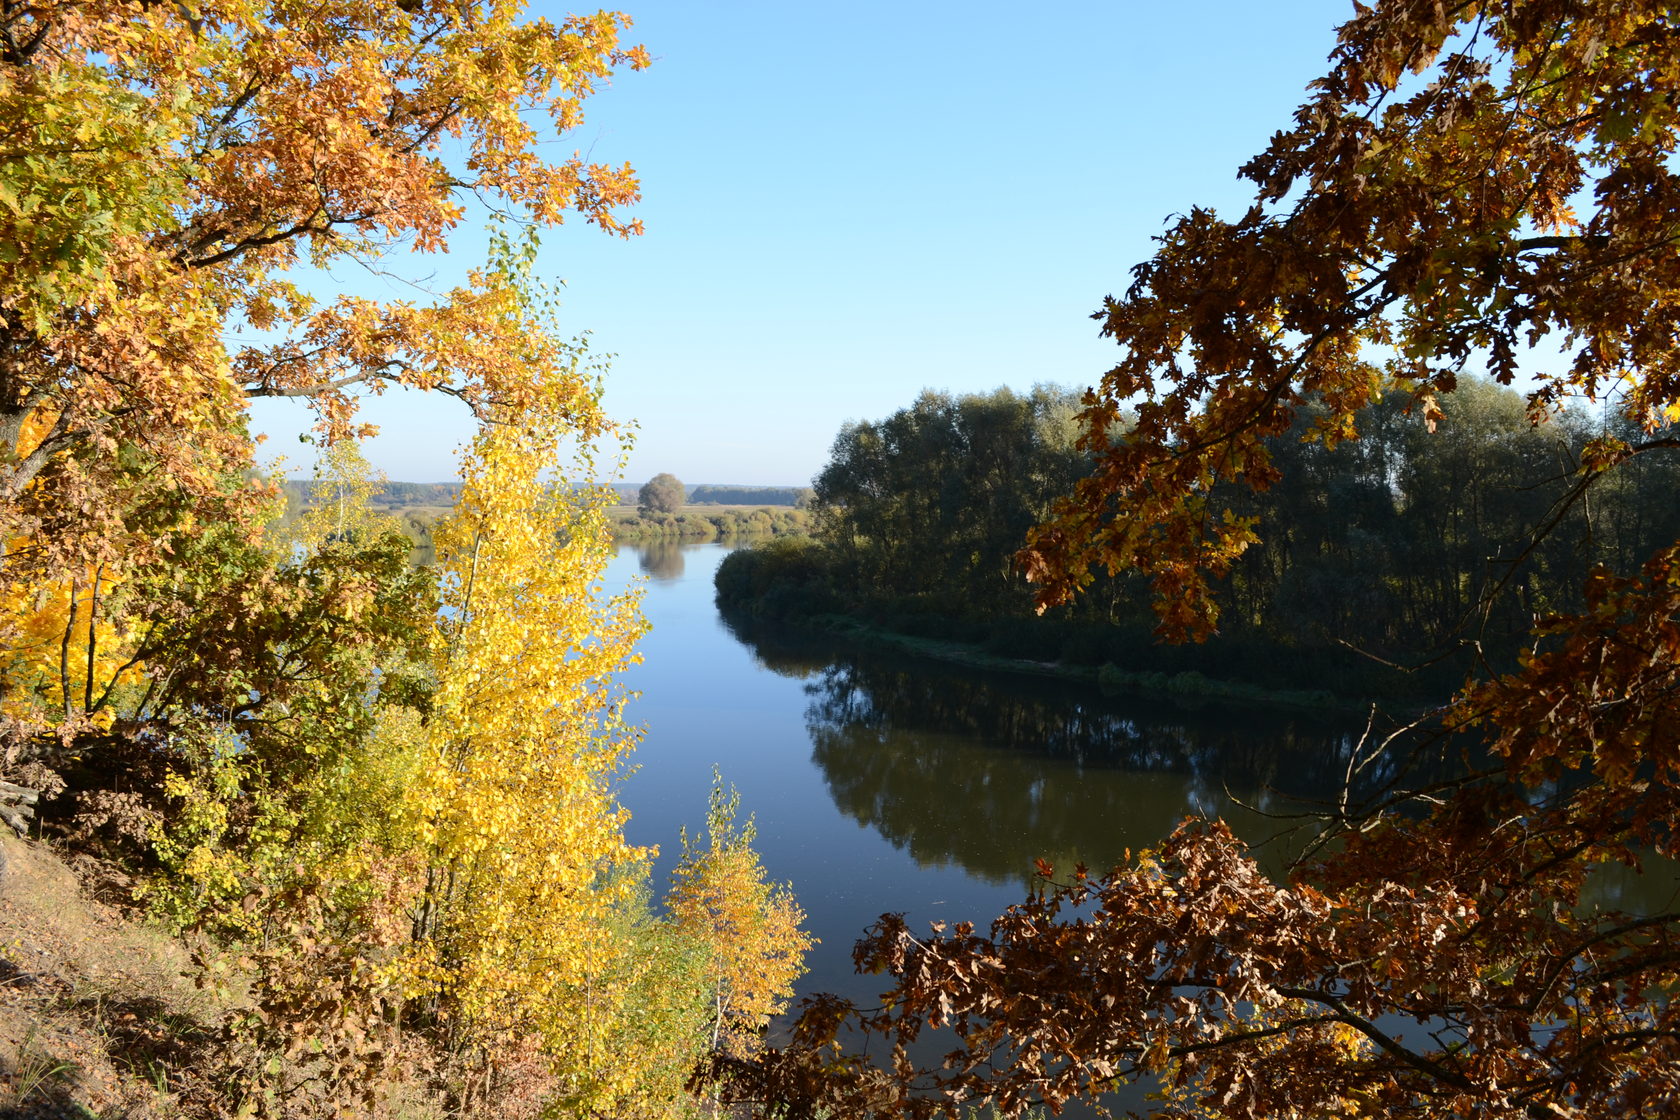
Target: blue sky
848, 203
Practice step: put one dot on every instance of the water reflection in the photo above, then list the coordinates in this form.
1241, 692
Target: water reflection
787, 653
988, 772
661, 561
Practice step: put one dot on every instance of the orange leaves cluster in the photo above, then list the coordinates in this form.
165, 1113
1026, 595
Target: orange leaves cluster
162, 166
1400, 236
1419, 977
1597, 696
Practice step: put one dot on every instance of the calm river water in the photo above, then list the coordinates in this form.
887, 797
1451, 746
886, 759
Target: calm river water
881, 784
886, 784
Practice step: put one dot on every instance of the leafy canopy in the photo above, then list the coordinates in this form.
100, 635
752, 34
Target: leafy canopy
661, 495
162, 167
1466, 181
1519, 191
393, 788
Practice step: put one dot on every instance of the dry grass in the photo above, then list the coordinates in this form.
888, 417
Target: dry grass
98, 1015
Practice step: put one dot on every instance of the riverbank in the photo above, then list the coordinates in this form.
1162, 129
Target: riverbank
1188, 688
791, 582
698, 525
692, 526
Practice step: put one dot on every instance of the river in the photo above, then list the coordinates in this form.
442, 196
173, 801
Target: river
887, 784
881, 783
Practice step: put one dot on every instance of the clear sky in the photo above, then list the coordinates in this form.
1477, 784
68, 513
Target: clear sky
846, 203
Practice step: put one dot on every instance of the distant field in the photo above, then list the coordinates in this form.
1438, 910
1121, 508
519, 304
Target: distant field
694, 522
398, 497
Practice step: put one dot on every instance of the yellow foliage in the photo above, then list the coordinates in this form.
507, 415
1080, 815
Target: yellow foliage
341, 501
1286, 1024
530, 868
750, 927
61, 653
163, 169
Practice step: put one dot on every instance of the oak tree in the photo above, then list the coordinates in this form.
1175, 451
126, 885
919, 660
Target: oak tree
1468, 185
1517, 191
163, 166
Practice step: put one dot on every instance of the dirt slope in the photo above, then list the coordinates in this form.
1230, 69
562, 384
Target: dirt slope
98, 1016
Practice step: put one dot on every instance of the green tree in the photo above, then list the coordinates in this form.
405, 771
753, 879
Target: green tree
931, 503
661, 496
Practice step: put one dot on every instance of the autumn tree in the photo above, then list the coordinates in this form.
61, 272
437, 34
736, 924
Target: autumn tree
161, 168
1473, 185
519, 822
406, 816
1402, 232
161, 172
660, 496
751, 927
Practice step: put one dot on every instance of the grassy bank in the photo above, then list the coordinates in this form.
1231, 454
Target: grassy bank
706, 523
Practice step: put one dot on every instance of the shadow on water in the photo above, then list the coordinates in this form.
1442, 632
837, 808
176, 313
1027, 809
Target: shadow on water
989, 771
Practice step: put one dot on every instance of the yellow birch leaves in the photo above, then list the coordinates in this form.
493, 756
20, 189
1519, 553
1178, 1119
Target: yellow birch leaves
750, 927
62, 651
533, 915
526, 738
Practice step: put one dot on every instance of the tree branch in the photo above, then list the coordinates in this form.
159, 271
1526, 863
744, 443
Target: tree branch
1384, 1041
312, 390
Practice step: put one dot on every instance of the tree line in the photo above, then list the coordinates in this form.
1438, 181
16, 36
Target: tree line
1406, 543
707, 494
699, 525
1466, 187
417, 507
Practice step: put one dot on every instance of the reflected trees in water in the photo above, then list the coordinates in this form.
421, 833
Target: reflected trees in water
988, 771
661, 560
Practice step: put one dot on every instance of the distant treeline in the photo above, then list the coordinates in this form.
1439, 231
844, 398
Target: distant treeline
1400, 546
748, 495
300, 491
398, 494
418, 505
697, 526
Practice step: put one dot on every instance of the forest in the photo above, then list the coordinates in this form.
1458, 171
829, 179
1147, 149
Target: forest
708, 494
1390, 564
